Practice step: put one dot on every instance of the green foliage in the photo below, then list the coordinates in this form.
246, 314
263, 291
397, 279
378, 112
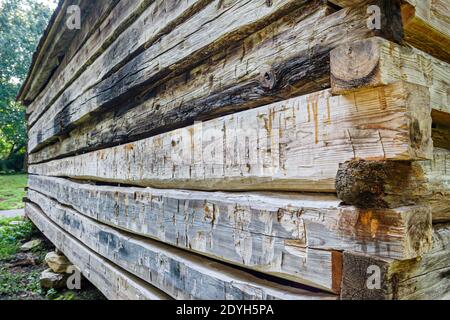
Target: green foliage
14, 283
12, 235
12, 191
22, 23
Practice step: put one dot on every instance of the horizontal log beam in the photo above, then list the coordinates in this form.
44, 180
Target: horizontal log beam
424, 278
389, 184
378, 62
176, 272
176, 51
112, 281
299, 144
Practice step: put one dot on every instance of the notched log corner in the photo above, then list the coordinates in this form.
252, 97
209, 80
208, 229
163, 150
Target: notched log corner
369, 184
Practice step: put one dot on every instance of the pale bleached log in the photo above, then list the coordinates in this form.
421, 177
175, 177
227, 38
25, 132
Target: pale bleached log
180, 274
213, 28
131, 26
294, 145
280, 232
389, 184
233, 232
112, 281
377, 62
425, 278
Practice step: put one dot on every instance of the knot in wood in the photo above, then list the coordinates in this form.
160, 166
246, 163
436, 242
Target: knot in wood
267, 78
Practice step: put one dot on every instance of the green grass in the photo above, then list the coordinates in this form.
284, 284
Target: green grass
12, 191
12, 235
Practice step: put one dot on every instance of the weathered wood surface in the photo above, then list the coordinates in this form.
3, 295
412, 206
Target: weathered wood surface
377, 62
233, 232
112, 281
130, 27
280, 232
83, 50
294, 145
389, 184
180, 274
208, 31
427, 26
424, 278
287, 59
298, 55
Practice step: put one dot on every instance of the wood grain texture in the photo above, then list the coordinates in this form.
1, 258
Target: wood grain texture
280, 232
286, 59
389, 184
234, 232
176, 51
281, 61
180, 274
299, 144
129, 28
426, 278
377, 62
427, 26
112, 281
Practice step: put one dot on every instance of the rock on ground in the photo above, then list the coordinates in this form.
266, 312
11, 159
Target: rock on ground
57, 262
30, 245
52, 280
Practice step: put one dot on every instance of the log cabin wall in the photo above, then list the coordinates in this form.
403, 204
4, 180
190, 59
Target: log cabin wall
206, 149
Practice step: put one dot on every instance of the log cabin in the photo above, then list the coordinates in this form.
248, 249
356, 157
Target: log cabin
245, 150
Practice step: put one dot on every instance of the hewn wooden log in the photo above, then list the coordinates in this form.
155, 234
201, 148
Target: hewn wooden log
295, 145
180, 274
124, 34
422, 278
231, 231
377, 62
236, 79
389, 184
210, 223
173, 53
113, 282
427, 26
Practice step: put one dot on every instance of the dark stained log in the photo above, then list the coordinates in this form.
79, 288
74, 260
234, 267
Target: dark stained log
291, 138
389, 184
